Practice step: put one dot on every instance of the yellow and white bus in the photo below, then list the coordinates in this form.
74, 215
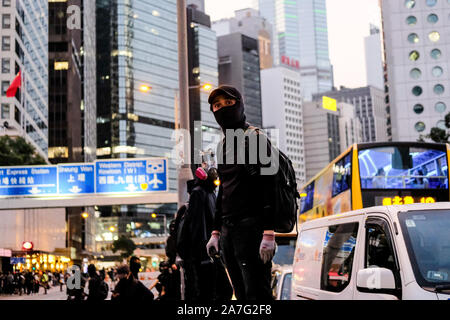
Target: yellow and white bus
373, 174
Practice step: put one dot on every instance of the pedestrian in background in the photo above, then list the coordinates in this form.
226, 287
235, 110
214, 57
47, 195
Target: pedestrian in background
244, 219
129, 288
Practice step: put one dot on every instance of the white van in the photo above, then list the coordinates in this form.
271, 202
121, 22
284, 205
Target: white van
398, 252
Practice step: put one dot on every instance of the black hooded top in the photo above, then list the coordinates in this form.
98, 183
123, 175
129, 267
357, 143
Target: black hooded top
244, 192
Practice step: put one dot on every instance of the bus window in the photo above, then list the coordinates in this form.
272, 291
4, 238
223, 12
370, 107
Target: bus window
403, 168
307, 202
342, 173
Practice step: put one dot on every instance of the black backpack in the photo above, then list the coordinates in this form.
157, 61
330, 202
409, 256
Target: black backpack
174, 240
286, 196
286, 193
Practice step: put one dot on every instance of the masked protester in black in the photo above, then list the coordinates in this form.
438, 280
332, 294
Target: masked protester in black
129, 288
201, 273
243, 226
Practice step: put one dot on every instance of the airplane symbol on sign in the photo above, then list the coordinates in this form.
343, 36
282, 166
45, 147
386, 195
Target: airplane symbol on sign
155, 182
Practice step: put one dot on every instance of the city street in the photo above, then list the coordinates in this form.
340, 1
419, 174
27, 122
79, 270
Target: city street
52, 295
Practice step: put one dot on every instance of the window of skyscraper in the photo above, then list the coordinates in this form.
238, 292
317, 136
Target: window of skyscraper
437, 71
418, 108
439, 89
440, 107
431, 3
441, 125
413, 38
410, 4
436, 53
414, 56
415, 73
434, 36
420, 127
411, 20
6, 21
432, 18
417, 91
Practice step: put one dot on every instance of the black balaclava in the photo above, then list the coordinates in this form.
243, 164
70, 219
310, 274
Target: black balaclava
232, 117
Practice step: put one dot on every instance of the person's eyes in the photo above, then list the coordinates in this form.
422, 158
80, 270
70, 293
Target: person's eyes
229, 102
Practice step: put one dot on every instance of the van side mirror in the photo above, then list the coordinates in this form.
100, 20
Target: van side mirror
376, 280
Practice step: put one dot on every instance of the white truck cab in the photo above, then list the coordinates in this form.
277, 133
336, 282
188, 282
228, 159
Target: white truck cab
388, 253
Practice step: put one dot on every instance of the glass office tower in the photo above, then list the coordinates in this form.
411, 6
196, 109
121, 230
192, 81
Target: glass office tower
301, 33
137, 69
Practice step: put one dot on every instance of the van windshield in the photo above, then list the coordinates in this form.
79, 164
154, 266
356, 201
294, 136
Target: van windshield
427, 238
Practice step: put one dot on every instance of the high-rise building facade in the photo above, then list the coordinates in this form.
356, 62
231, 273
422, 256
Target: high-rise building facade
137, 94
374, 58
204, 73
370, 107
24, 47
300, 32
283, 111
250, 23
65, 86
418, 78
328, 133
239, 66
72, 101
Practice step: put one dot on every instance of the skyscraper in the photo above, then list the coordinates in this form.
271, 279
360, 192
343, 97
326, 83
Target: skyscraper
250, 23
203, 71
328, 133
283, 110
24, 47
239, 66
370, 108
374, 58
301, 33
72, 101
418, 78
137, 91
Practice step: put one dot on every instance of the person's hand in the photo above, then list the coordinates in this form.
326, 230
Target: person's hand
267, 248
213, 245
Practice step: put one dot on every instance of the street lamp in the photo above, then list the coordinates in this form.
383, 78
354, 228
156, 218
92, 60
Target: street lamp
85, 215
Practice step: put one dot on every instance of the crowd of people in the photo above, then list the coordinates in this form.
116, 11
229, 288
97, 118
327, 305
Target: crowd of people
29, 283
223, 242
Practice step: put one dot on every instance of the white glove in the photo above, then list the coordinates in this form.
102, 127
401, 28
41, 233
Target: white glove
213, 245
267, 248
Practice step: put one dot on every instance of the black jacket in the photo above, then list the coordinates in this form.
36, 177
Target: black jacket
244, 192
131, 290
199, 220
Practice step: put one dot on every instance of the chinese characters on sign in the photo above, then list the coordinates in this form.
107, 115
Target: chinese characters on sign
19, 181
396, 201
104, 176
133, 176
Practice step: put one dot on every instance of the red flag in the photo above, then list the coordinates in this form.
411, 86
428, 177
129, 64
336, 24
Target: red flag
16, 84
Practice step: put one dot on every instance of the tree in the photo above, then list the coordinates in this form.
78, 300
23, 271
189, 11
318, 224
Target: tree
125, 245
16, 151
439, 135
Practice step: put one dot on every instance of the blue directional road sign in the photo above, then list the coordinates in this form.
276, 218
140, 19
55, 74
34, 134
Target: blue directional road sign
31, 181
76, 179
132, 176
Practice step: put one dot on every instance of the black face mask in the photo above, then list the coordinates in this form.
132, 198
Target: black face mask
232, 117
